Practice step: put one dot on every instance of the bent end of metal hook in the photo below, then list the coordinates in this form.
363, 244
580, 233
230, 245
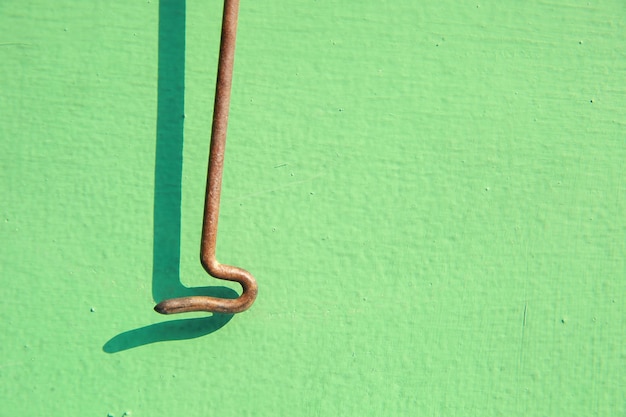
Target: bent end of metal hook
214, 304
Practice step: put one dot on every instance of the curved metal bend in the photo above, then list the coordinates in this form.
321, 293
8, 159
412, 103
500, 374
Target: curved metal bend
213, 190
213, 304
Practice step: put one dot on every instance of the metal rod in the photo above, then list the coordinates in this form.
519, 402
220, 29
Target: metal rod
213, 190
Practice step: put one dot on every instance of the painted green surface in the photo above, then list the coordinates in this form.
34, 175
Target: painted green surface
430, 194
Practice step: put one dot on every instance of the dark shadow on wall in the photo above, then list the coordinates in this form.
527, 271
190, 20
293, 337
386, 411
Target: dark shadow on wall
168, 167
166, 331
168, 192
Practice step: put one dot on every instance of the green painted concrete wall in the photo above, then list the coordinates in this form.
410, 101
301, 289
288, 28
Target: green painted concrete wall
430, 194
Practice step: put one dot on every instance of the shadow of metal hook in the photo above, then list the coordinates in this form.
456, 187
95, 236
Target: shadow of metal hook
214, 188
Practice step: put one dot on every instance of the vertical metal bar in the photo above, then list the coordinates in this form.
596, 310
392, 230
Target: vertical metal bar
214, 187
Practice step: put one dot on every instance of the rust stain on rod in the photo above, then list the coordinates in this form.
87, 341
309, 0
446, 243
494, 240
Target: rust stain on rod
213, 190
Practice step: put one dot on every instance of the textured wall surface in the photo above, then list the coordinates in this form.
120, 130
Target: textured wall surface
430, 194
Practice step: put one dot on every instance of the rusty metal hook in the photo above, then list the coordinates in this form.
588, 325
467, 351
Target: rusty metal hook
213, 190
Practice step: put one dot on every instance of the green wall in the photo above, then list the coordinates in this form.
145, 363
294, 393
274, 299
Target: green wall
431, 196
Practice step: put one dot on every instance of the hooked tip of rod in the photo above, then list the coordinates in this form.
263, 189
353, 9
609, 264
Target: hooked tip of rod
162, 309
208, 304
